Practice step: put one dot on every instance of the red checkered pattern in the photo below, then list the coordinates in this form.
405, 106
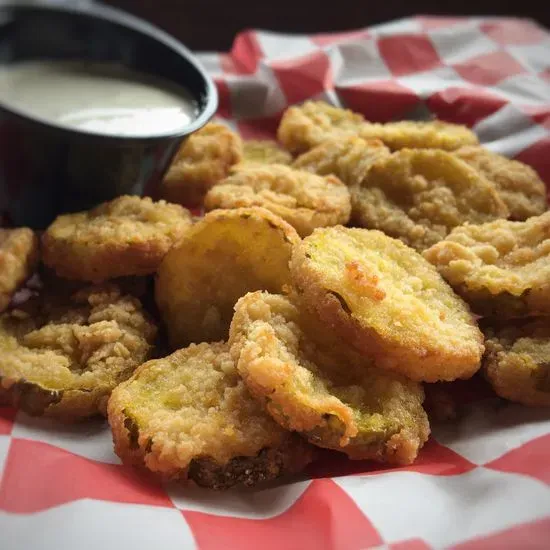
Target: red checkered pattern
492, 74
482, 483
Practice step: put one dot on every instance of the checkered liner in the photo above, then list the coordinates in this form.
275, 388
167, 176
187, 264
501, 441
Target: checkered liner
481, 483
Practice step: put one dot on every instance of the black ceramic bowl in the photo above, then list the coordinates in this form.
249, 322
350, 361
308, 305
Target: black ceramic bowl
46, 169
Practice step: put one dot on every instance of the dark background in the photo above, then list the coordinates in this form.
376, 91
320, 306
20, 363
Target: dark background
212, 24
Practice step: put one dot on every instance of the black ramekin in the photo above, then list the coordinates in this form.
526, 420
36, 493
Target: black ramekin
46, 170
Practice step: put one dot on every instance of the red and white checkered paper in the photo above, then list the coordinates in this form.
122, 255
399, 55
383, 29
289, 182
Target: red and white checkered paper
481, 483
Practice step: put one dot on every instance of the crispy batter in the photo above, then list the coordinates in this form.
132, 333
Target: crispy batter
519, 186
19, 256
347, 158
434, 134
62, 356
304, 200
517, 361
224, 256
294, 366
126, 236
203, 159
419, 196
190, 416
501, 268
388, 302
305, 126
262, 152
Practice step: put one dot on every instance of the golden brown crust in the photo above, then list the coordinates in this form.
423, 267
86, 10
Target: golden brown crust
309, 382
190, 416
62, 355
349, 159
434, 134
19, 255
305, 126
388, 302
517, 361
126, 236
519, 186
304, 200
203, 159
222, 257
501, 268
262, 152
419, 196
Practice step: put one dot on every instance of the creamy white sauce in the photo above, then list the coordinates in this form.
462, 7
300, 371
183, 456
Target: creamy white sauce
98, 98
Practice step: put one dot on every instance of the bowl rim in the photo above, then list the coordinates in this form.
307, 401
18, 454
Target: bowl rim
124, 19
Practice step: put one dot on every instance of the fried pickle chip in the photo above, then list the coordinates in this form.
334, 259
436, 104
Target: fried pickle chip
305, 126
225, 255
293, 365
411, 134
63, 355
203, 159
517, 361
262, 152
190, 416
388, 302
126, 236
419, 196
349, 159
500, 268
304, 200
518, 185
19, 256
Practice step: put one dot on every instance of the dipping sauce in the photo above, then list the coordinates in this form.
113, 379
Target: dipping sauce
100, 98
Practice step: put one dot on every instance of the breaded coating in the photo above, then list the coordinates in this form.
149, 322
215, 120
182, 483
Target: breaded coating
349, 159
294, 366
203, 159
304, 200
517, 361
63, 355
225, 255
518, 185
388, 302
261, 152
305, 126
126, 236
19, 256
501, 268
419, 196
434, 134
190, 416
